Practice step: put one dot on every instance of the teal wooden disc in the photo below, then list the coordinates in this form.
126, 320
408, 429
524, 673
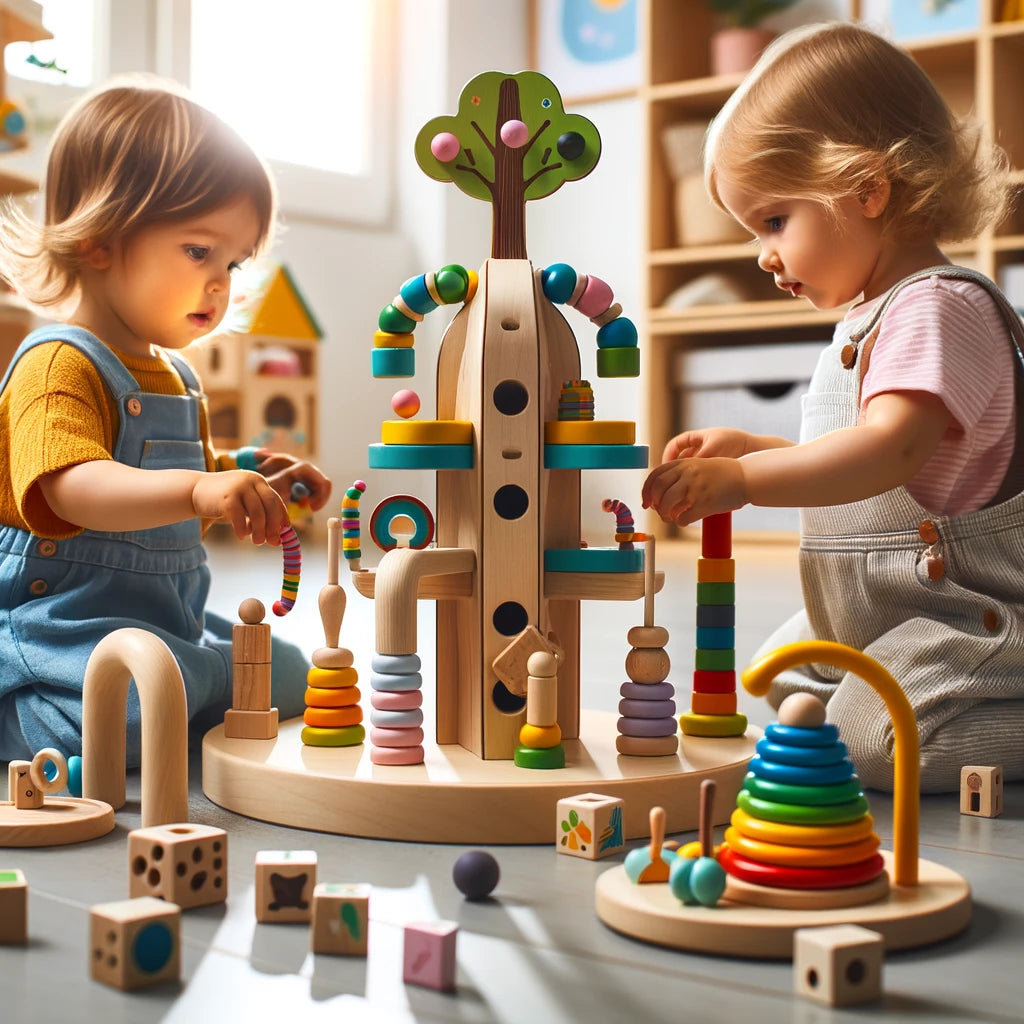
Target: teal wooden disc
393, 362
420, 456
797, 814
805, 796
785, 754
532, 757
593, 560
596, 456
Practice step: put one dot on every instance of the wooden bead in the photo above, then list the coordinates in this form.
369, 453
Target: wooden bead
647, 746
648, 665
647, 636
332, 657
803, 710
538, 737
542, 664
613, 311
251, 611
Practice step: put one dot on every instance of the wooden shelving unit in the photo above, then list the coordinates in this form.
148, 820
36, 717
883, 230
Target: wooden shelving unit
979, 72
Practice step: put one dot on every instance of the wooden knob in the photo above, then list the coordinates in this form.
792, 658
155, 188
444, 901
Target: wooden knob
542, 664
803, 710
251, 611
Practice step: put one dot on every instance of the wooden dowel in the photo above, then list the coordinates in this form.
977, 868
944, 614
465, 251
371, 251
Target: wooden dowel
333, 544
649, 582
706, 834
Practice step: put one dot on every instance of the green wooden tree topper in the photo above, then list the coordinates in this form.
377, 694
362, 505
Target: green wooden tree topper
510, 141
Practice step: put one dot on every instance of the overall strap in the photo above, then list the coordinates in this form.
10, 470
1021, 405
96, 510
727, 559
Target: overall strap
185, 371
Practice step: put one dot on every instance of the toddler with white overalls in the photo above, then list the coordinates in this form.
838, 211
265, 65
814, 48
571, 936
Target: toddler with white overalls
107, 475
842, 160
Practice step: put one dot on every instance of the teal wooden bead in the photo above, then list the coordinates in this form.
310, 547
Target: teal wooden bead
716, 639
452, 283
393, 362
617, 333
416, 296
394, 321
245, 458
618, 362
697, 880
75, 775
558, 282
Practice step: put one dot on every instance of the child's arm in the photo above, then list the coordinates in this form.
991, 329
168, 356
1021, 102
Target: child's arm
282, 470
109, 496
714, 442
900, 432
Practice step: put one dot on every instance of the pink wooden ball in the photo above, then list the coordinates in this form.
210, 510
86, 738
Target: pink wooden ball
406, 403
514, 134
445, 146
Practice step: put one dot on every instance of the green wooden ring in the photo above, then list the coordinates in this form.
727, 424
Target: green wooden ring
715, 660
618, 362
795, 814
805, 796
347, 736
533, 757
394, 321
716, 593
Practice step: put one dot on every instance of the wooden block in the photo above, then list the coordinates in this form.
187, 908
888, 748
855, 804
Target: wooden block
648, 664
250, 725
716, 570
184, 864
341, 919
250, 687
510, 665
250, 645
981, 790
589, 432
716, 536
285, 880
713, 703
13, 907
22, 791
839, 965
589, 826
429, 954
134, 943
426, 432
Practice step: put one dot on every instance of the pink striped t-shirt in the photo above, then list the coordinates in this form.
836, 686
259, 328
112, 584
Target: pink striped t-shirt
948, 338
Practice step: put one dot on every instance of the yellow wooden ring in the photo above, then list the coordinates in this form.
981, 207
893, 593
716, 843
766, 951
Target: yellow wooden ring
540, 737
590, 432
801, 835
332, 677
333, 718
716, 570
384, 339
338, 697
426, 432
692, 850
712, 725
713, 703
802, 856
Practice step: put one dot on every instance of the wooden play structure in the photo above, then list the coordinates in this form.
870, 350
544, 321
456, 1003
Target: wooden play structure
502, 553
788, 884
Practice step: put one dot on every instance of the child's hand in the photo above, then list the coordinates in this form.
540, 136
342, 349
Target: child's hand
246, 500
282, 470
685, 490
713, 442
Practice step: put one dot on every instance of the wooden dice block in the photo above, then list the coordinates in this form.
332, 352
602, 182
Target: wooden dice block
981, 790
341, 919
186, 864
13, 907
429, 957
134, 943
285, 880
838, 966
589, 826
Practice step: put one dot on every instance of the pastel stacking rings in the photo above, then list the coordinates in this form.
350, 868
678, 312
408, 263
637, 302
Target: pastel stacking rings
792, 735
798, 814
802, 856
797, 776
401, 505
748, 870
815, 796
802, 756
802, 835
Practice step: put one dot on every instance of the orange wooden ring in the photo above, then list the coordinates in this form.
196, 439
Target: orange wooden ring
337, 697
800, 878
333, 718
801, 835
802, 856
713, 703
716, 570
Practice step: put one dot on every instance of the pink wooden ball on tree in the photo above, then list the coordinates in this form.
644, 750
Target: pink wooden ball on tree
406, 403
445, 146
514, 134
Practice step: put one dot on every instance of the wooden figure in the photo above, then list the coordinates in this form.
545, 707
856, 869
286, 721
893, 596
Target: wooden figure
184, 864
27, 781
250, 716
341, 919
285, 880
135, 943
429, 954
839, 965
589, 826
262, 375
13, 907
981, 790
540, 738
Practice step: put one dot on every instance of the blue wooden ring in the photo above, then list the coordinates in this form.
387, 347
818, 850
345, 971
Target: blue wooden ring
795, 736
420, 456
410, 719
415, 295
401, 505
804, 756
796, 776
593, 560
595, 456
396, 683
712, 638
395, 664
393, 362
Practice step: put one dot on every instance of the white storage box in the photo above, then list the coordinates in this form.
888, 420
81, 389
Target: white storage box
756, 388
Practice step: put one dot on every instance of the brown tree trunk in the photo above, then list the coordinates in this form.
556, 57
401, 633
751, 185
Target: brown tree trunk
508, 222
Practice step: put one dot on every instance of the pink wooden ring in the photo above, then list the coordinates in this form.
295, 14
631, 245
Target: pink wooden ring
396, 737
408, 700
396, 755
596, 297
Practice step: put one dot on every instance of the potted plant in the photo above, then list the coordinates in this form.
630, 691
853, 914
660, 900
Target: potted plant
737, 45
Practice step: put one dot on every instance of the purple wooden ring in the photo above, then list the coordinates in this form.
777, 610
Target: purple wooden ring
647, 726
647, 708
647, 691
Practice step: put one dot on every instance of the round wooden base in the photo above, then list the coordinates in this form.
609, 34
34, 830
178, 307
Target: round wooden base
59, 822
454, 796
908, 916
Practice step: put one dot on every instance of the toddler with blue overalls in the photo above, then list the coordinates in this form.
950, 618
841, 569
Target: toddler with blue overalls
847, 167
107, 475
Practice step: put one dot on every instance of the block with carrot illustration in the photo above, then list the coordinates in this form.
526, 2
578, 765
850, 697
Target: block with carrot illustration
589, 825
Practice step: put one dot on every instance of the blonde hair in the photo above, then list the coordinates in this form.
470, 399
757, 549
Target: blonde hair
829, 111
136, 152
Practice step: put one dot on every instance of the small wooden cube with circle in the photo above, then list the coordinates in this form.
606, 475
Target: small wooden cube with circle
285, 880
429, 954
135, 943
981, 790
840, 965
186, 864
341, 918
589, 826
13, 907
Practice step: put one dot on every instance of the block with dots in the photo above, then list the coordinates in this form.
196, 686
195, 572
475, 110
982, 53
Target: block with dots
840, 965
186, 864
135, 943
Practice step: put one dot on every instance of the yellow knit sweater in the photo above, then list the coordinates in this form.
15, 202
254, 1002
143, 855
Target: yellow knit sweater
56, 412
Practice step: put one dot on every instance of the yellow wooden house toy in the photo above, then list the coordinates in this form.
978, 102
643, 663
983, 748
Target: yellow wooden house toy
261, 371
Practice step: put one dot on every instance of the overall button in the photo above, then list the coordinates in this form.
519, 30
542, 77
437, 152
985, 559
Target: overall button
927, 532
46, 548
134, 407
991, 620
37, 587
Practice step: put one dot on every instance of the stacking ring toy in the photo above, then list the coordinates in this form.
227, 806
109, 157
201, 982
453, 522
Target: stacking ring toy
794, 775
800, 878
793, 736
801, 835
291, 554
816, 796
797, 814
401, 505
801, 856
803, 756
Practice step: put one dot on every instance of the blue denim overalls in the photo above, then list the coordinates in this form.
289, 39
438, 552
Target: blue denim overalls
58, 599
